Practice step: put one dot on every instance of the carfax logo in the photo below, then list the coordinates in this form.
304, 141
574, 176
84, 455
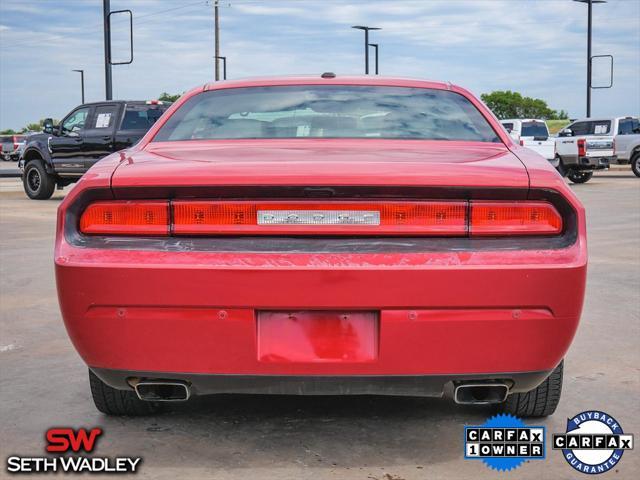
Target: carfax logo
503, 442
593, 443
66, 440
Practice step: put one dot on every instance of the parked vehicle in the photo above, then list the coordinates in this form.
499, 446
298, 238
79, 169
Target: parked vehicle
62, 154
583, 147
22, 145
534, 134
627, 142
10, 146
323, 235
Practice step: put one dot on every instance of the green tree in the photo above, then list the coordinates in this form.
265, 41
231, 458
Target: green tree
8, 131
167, 97
508, 104
33, 127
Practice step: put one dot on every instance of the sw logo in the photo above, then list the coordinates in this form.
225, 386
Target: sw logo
70, 441
65, 439
504, 442
593, 443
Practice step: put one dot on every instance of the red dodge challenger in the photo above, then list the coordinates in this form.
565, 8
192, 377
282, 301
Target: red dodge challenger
323, 235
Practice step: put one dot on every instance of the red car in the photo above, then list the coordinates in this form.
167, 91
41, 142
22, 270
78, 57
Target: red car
323, 235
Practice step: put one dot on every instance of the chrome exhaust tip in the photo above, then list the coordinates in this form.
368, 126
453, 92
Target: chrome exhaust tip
161, 391
480, 393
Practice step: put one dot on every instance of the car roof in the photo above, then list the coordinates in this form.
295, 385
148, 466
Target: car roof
373, 80
118, 102
523, 120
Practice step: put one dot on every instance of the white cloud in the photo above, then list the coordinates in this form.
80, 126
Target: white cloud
536, 47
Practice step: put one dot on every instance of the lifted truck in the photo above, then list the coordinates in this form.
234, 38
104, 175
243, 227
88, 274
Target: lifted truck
583, 147
63, 153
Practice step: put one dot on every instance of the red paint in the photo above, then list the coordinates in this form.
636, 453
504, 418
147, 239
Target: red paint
437, 312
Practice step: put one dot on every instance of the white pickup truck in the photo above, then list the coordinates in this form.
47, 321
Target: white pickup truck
627, 141
623, 132
584, 146
534, 134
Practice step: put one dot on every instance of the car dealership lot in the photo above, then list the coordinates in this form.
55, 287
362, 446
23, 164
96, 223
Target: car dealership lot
44, 381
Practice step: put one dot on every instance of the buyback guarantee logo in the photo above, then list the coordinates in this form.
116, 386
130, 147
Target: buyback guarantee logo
69, 443
504, 442
593, 443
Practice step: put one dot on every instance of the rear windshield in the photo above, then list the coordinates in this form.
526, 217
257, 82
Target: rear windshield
328, 112
534, 129
6, 139
141, 117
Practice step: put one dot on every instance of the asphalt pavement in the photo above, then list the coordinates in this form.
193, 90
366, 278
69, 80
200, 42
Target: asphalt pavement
43, 381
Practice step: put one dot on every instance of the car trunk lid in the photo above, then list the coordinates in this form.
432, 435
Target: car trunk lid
370, 162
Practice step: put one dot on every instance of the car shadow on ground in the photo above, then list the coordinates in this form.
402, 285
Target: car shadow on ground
236, 431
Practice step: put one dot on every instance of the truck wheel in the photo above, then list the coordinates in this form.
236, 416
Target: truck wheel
38, 184
580, 176
539, 402
635, 164
112, 401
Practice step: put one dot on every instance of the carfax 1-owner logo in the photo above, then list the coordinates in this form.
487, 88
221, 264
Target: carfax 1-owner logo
504, 442
593, 442
65, 447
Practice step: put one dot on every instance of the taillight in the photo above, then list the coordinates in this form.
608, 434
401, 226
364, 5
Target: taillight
522, 143
514, 218
311, 217
409, 218
582, 147
126, 218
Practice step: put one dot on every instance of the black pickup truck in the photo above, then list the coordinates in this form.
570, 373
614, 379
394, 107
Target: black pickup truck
63, 153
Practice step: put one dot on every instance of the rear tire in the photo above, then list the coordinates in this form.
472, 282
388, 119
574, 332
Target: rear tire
112, 401
580, 176
539, 402
38, 184
635, 164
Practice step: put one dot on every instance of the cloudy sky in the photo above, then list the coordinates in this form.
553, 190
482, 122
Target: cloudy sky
537, 47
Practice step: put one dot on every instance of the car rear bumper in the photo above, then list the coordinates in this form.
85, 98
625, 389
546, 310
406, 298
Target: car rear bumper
400, 385
596, 163
437, 313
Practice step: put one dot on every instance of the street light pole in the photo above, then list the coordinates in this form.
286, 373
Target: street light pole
81, 82
106, 10
366, 44
224, 65
375, 45
589, 24
217, 39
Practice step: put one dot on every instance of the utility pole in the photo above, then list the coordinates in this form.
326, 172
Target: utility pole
217, 40
106, 9
81, 82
